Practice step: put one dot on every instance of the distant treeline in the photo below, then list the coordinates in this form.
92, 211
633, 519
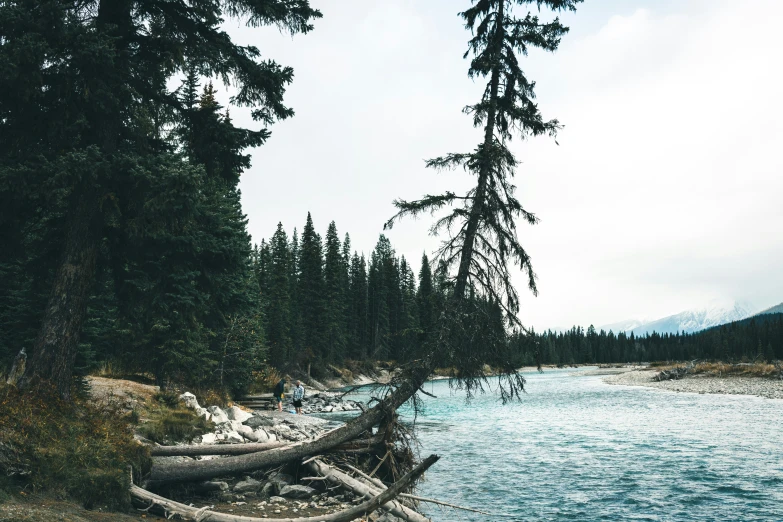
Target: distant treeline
323, 303
757, 338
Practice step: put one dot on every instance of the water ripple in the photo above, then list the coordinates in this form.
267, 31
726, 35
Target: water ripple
577, 449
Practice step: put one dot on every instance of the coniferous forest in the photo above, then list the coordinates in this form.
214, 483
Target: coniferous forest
124, 244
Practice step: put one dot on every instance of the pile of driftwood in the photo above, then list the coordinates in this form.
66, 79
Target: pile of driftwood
675, 373
372, 436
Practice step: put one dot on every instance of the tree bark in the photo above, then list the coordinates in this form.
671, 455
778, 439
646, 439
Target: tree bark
202, 515
474, 218
55, 347
163, 472
338, 478
354, 446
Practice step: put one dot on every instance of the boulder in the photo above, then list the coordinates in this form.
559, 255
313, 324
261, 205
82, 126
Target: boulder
208, 438
248, 485
260, 435
190, 401
235, 413
246, 432
211, 486
268, 490
297, 491
257, 420
218, 415
234, 438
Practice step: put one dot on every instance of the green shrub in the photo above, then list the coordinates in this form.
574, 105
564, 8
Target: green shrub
168, 426
70, 449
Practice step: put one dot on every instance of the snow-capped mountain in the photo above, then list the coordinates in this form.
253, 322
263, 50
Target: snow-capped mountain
699, 319
623, 326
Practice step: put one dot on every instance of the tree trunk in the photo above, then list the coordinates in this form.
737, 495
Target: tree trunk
365, 508
354, 446
55, 347
478, 202
163, 472
337, 478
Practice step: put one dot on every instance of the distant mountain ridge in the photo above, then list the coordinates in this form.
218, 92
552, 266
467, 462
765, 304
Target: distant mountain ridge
777, 309
691, 321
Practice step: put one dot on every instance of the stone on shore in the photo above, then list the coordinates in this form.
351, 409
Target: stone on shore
297, 491
248, 485
235, 413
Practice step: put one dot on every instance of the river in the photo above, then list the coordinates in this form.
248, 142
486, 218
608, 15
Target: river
575, 448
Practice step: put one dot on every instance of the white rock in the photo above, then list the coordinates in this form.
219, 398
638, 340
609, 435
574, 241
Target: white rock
218, 415
190, 400
235, 413
234, 438
245, 431
208, 438
261, 436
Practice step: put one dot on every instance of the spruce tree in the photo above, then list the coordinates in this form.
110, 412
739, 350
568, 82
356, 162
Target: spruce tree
358, 319
311, 293
278, 311
86, 110
481, 226
334, 298
425, 300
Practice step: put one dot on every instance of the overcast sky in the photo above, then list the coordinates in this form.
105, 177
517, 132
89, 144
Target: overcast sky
665, 192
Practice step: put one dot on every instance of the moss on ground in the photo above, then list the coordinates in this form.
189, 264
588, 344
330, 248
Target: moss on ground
71, 450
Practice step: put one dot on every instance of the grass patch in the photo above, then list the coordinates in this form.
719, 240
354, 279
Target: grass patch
168, 425
75, 450
720, 369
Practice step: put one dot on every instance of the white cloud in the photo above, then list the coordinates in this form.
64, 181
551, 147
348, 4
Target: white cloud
664, 192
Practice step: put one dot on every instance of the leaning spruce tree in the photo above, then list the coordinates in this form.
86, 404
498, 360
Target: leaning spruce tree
481, 232
83, 96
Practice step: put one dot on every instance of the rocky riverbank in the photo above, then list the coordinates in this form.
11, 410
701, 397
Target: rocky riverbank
731, 385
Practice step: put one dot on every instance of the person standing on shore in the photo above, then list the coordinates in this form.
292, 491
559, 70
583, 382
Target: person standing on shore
278, 394
299, 393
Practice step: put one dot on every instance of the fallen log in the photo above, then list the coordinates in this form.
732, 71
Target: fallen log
338, 478
166, 472
213, 449
172, 508
354, 446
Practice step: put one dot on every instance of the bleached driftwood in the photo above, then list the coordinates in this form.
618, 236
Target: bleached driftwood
172, 508
338, 478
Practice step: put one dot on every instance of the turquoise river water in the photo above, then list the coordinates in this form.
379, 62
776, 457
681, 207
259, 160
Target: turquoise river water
576, 448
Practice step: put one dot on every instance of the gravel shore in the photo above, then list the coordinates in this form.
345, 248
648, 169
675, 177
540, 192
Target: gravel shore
755, 386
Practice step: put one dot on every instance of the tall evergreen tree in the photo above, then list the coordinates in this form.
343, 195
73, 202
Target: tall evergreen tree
426, 300
311, 292
278, 313
484, 240
334, 297
86, 85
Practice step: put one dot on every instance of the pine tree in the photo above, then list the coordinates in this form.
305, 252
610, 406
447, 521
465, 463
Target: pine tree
334, 298
484, 241
278, 315
359, 309
426, 300
87, 84
311, 293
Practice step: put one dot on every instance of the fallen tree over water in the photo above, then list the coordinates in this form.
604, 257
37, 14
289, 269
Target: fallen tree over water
172, 508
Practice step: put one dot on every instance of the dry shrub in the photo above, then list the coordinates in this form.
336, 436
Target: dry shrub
757, 369
264, 381
74, 449
168, 421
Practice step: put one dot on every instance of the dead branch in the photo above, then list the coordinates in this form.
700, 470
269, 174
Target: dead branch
166, 472
203, 515
354, 446
338, 478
